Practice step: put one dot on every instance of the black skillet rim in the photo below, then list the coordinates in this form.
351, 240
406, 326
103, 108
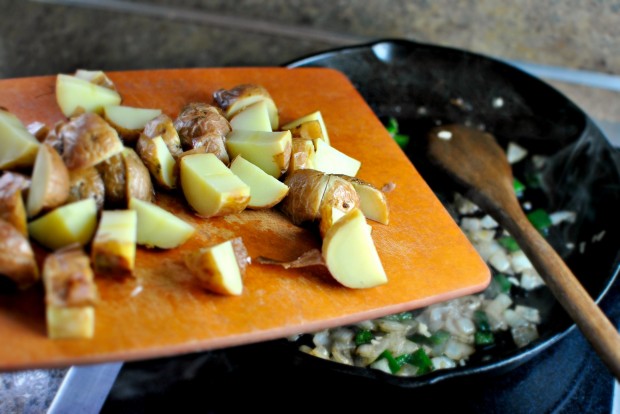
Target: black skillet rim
498, 366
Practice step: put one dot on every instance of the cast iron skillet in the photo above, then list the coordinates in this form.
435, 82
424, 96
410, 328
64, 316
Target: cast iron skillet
422, 86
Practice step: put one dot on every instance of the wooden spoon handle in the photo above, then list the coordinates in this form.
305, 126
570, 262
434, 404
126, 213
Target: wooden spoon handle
590, 319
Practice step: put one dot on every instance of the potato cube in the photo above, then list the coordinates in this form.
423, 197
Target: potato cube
113, 250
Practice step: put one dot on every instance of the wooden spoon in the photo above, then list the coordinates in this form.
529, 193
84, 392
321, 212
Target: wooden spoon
474, 159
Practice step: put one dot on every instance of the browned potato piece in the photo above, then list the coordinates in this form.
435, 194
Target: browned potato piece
86, 183
306, 189
50, 181
312, 191
234, 100
162, 126
113, 250
125, 176
137, 178
68, 278
12, 208
88, 140
16, 257
70, 294
202, 125
340, 194
112, 172
54, 139
159, 161
302, 155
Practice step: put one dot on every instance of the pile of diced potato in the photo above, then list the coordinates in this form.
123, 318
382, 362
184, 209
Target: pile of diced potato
84, 189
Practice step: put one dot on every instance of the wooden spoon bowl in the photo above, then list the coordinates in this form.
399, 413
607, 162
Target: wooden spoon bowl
474, 159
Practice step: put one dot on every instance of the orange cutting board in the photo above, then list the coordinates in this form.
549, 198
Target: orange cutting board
162, 310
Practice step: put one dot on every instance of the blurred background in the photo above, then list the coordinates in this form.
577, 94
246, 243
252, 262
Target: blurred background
46, 37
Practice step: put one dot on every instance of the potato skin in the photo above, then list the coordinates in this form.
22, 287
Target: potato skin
124, 176
340, 194
12, 208
17, 260
38, 129
86, 183
54, 139
57, 190
303, 201
205, 269
147, 150
88, 140
225, 98
113, 174
162, 126
311, 191
69, 279
302, 153
138, 182
202, 125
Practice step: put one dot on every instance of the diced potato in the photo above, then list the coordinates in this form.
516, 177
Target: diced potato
307, 119
12, 208
350, 253
302, 155
113, 250
158, 227
157, 158
265, 190
271, 151
339, 193
203, 126
308, 130
234, 100
113, 173
312, 192
129, 121
70, 294
306, 190
124, 176
88, 140
17, 260
210, 187
18, 146
372, 200
54, 139
98, 77
253, 118
86, 183
71, 223
70, 323
137, 178
163, 127
329, 216
73, 94
220, 268
331, 161
50, 181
